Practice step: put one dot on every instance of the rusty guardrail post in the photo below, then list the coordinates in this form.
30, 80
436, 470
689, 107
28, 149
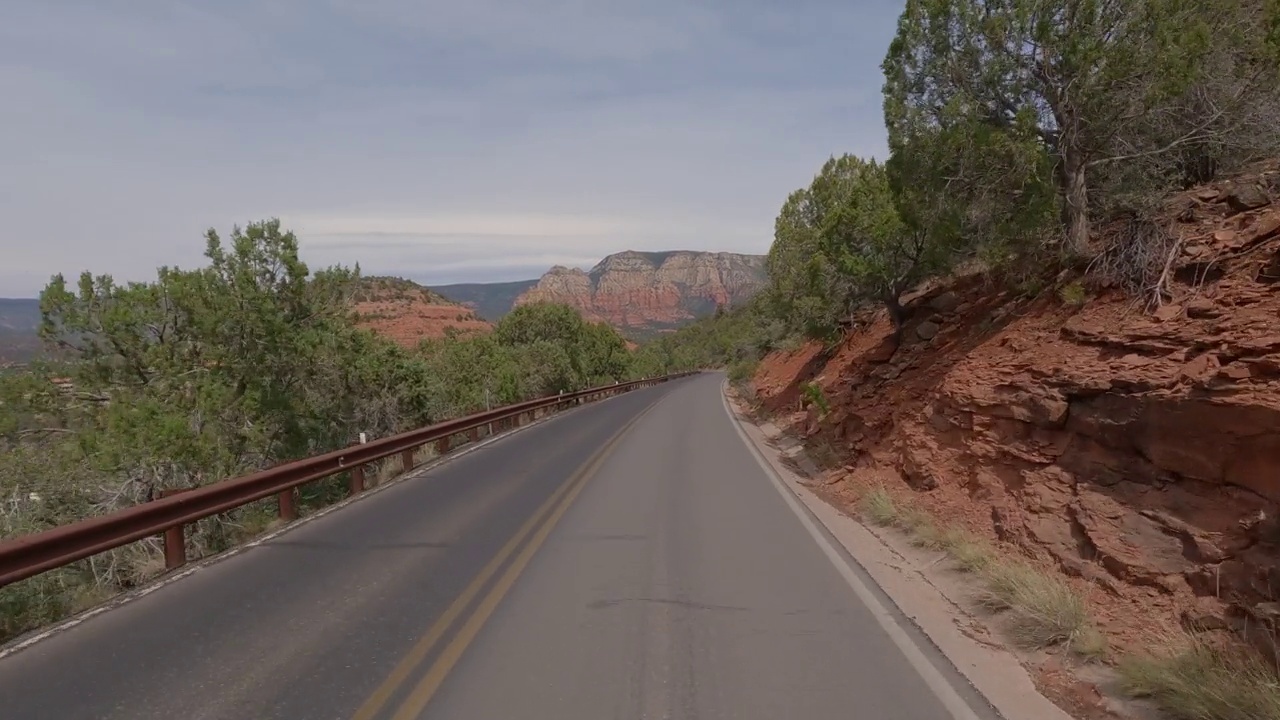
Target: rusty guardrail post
175, 538
406, 460
286, 504
355, 484
442, 446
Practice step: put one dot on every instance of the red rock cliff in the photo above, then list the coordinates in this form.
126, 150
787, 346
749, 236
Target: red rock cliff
1138, 452
409, 313
644, 290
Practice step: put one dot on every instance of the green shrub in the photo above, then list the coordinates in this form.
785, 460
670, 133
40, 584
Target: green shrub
814, 395
1073, 293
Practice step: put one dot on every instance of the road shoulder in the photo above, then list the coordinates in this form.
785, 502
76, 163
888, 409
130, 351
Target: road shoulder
992, 671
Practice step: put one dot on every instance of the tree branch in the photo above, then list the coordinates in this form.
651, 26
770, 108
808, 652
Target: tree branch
48, 430
1191, 136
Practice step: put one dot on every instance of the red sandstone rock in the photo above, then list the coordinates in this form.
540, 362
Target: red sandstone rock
652, 290
1140, 455
408, 313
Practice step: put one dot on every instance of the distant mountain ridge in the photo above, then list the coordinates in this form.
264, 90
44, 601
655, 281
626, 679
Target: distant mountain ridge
647, 292
490, 300
640, 293
19, 323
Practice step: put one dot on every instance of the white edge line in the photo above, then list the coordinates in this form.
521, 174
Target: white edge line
941, 687
22, 643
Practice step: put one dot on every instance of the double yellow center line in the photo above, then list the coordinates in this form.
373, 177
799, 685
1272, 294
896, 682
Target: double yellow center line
540, 526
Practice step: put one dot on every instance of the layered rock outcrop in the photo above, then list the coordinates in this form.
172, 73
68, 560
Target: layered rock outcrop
1135, 450
408, 313
647, 290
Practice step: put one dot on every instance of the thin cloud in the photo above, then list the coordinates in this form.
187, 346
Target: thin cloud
388, 132
462, 225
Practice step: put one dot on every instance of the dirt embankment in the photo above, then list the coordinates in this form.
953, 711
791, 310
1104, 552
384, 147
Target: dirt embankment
1137, 452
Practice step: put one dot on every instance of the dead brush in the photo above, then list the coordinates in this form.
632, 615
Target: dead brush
1139, 258
424, 454
823, 453
385, 471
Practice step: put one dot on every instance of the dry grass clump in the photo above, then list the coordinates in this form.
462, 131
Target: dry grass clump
879, 507
970, 553
1043, 610
1193, 678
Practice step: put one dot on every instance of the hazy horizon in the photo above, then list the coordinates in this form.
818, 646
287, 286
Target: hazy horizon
511, 274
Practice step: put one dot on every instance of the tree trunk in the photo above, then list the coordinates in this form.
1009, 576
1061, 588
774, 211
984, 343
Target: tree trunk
897, 314
1076, 204
1071, 173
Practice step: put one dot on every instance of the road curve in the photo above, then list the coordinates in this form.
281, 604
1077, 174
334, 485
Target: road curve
629, 559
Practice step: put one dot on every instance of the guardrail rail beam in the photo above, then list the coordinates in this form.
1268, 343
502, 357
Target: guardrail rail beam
24, 556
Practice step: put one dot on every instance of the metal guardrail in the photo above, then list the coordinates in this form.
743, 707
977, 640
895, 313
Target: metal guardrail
28, 555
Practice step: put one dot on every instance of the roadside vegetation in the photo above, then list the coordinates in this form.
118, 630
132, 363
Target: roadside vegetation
1039, 609
734, 339
1195, 678
1191, 676
249, 361
1016, 131
1033, 141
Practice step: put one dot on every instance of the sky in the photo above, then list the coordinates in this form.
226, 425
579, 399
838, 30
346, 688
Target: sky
461, 141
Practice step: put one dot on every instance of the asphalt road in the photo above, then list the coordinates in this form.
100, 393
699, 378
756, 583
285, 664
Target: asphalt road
629, 559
